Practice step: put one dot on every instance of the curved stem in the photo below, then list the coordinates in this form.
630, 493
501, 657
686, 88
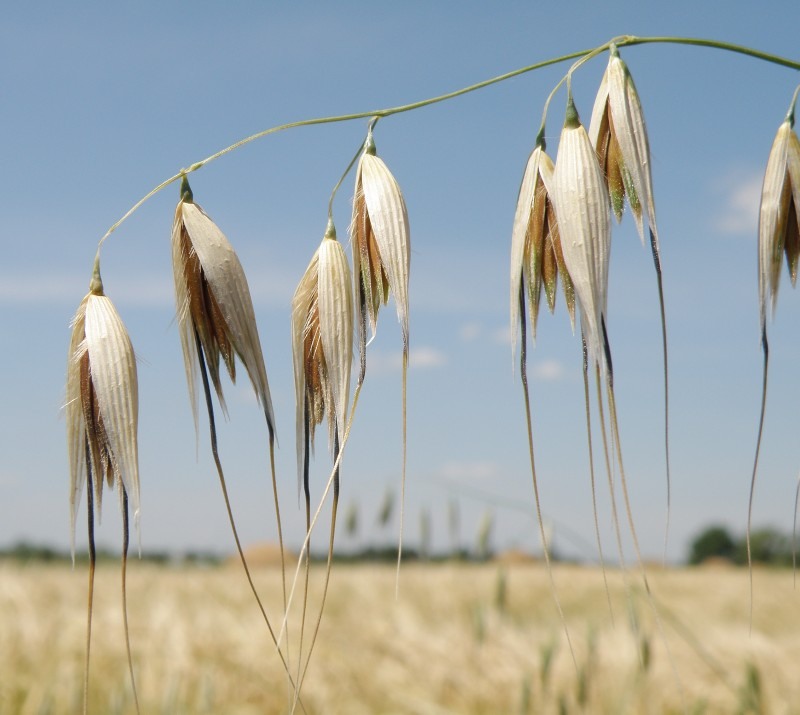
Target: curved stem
125, 543
344, 175
523, 372
632, 40
765, 347
333, 120
92, 563
622, 41
591, 473
215, 452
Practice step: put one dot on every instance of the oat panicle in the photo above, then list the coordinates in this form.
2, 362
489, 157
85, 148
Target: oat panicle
213, 300
536, 255
380, 237
102, 406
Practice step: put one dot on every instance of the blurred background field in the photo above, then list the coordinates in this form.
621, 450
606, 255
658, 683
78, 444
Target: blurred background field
461, 637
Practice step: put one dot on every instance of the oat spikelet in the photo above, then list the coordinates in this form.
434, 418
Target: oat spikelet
213, 298
102, 407
380, 239
322, 344
619, 134
536, 255
582, 207
778, 233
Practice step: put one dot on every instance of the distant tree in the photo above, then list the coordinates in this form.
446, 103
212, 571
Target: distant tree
713, 542
767, 546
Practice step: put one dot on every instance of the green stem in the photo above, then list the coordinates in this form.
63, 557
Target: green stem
632, 40
344, 175
622, 41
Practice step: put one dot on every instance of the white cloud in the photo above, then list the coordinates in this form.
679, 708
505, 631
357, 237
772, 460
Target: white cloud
739, 214
502, 335
470, 332
422, 358
548, 371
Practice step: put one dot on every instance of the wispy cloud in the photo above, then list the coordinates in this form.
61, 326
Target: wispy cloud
548, 371
469, 471
739, 212
273, 289
422, 358
469, 332
474, 331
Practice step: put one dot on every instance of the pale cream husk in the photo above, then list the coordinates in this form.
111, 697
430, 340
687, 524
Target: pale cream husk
97, 330
536, 256
322, 344
618, 98
228, 284
780, 200
384, 210
582, 206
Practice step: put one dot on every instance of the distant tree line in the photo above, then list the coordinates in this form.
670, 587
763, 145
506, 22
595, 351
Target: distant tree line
767, 546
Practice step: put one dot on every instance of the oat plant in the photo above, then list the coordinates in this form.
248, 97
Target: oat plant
216, 322
778, 236
561, 231
102, 412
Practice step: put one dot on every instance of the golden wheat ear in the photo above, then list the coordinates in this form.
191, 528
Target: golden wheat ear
102, 422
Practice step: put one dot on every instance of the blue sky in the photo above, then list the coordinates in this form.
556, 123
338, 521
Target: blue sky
101, 102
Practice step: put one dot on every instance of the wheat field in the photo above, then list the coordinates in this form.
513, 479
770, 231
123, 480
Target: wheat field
459, 638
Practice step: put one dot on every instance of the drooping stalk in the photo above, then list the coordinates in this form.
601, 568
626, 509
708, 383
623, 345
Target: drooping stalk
328, 486
765, 348
615, 438
271, 430
215, 452
404, 380
794, 532
125, 542
612, 490
306, 555
659, 280
523, 371
591, 473
334, 510
92, 562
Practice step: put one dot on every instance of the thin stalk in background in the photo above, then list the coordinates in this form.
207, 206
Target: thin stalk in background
765, 372
215, 452
334, 509
306, 555
92, 563
591, 474
659, 280
304, 550
612, 410
523, 372
125, 543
